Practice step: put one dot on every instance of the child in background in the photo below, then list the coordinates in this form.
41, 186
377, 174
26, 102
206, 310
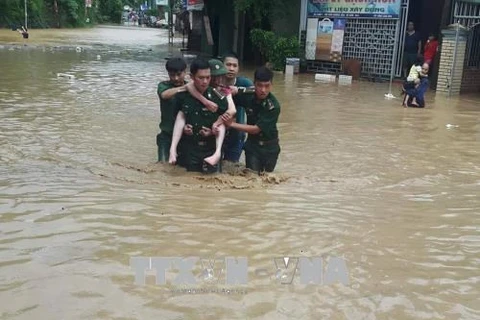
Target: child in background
430, 49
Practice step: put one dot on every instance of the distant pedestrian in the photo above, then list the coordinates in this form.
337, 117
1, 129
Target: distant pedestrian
24, 32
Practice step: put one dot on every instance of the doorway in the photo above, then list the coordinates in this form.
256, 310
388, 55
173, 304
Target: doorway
427, 16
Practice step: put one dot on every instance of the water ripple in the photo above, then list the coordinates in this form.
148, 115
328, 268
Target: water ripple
388, 189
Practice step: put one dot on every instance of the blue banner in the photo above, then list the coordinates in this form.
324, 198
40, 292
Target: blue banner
386, 9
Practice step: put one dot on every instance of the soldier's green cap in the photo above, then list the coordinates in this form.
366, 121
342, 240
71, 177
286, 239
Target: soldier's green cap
217, 68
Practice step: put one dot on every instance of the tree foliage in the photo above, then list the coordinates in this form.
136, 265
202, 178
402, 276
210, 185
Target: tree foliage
110, 11
261, 17
263, 11
275, 49
58, 13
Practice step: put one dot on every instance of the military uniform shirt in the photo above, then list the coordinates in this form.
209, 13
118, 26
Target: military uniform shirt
197, 115
241, 82
263, 113
168, 108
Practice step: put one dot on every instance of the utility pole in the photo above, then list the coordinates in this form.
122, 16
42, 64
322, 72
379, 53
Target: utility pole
26, 15
171, 32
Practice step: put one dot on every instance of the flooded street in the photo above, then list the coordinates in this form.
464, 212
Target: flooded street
394, 192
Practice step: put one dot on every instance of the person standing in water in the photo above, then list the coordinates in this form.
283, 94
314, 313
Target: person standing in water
415, 96
24, 33
222, 91
167, 93
235, 139
204, 145
262, 147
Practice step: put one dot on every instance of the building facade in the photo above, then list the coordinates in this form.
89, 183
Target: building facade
459, 69
374, 34
369, 31
219, 27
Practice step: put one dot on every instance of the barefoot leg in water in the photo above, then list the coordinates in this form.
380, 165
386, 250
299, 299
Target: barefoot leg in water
215, 158
414, 103
405, 100
177, 135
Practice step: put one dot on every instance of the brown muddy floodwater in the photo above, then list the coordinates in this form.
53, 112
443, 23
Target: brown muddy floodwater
392, 191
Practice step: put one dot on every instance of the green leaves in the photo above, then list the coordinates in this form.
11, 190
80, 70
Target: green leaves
111, 10
57, 13
264, 10
274, 48
263, 40
70, 10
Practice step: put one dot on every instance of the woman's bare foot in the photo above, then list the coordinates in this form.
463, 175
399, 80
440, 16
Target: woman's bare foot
213, 159
414, 102
173, 158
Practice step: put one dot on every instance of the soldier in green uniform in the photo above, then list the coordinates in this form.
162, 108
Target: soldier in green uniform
167, 93
218, 74
263, 109
204, 145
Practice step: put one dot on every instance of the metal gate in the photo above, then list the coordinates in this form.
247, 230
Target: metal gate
373, 41
466, 14
473, 47
401, 38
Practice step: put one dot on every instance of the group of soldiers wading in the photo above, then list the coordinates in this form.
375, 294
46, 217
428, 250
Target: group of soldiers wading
217, 115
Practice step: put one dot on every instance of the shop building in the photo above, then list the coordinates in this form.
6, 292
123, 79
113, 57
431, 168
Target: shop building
373, 33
